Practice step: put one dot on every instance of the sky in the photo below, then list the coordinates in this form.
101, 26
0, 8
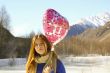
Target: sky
26, 16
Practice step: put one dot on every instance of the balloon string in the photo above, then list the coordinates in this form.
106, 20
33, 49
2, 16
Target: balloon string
52, 49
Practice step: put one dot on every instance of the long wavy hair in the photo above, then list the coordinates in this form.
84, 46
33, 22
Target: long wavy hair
31, 65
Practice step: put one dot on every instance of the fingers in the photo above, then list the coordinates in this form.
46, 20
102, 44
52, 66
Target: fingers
47, 69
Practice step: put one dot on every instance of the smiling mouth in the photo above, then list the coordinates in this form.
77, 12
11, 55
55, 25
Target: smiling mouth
40, 49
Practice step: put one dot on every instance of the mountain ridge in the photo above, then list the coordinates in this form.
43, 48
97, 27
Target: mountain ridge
89, 22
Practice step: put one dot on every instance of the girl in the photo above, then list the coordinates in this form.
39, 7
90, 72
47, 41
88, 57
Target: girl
41, 59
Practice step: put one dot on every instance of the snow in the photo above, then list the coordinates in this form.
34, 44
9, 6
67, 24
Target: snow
95, 21
90, 64
100, 19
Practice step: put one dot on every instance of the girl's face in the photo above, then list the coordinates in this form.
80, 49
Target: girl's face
40, 46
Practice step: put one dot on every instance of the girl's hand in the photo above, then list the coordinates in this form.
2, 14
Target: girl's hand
47, 69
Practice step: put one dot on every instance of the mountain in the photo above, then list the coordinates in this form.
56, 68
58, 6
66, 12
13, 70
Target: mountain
11, 46
101, 34
100, 19
91, 41
89, 22
5, 35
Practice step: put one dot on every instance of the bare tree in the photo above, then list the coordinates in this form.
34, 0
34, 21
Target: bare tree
31, 34
4, 18
5, 35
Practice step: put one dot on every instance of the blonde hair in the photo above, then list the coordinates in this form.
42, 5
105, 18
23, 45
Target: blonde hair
31, 65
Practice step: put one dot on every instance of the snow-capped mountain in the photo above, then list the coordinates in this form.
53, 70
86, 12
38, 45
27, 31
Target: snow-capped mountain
89, 22
100, 19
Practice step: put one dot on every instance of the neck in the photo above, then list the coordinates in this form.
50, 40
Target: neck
42, 59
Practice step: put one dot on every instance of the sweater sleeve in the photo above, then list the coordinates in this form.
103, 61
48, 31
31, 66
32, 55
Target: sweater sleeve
60, 67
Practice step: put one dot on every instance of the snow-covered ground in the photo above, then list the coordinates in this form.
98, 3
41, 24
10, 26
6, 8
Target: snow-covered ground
97, 64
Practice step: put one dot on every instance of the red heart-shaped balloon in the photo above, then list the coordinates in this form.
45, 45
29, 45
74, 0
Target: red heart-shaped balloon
55, 26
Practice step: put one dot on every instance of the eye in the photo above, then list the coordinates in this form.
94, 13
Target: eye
42, 44
39, 45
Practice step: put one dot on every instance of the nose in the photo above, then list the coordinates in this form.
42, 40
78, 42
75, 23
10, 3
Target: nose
38, 46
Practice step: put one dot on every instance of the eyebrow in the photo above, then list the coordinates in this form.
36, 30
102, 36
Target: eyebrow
39, 43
